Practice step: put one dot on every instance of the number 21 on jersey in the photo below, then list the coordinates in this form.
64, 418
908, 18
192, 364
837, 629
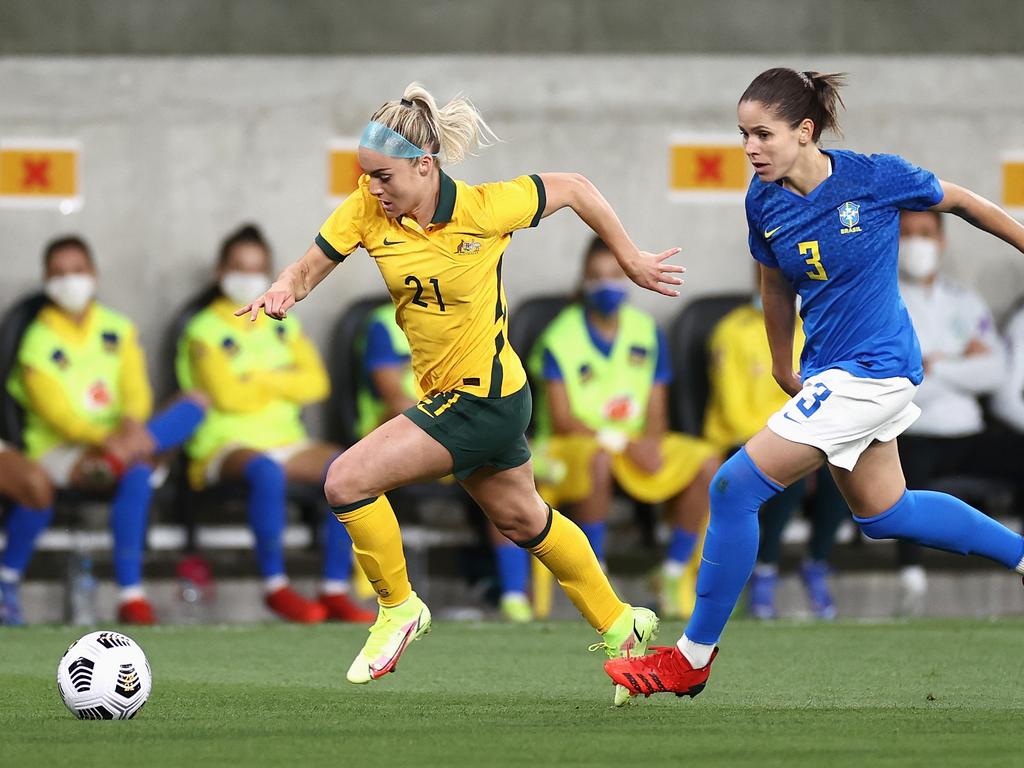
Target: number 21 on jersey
809, 249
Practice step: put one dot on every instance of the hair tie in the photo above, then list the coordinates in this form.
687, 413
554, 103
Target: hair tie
405, 103
808, 80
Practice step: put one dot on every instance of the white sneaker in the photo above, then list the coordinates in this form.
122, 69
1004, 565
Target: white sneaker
395, 629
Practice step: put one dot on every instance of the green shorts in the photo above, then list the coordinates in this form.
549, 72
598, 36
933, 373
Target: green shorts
477, 431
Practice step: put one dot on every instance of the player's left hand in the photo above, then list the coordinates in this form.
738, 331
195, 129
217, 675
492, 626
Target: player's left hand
645, 453
649, 270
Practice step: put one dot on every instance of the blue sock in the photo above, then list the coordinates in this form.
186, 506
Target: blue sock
337, 549
128, 515
513, 567
336, 541
175, 424
737, 492
266, 481
23, 528
595, 535
681, 545
942, 521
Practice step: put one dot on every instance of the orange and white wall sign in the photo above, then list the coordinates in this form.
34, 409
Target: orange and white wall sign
343, 169
1013, 180
40, 173
707, 168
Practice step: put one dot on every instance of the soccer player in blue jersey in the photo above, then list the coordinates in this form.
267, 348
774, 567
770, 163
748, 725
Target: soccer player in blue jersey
825, 225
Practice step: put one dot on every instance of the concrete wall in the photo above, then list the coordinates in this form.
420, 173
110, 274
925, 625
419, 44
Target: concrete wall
179, 151
332, 27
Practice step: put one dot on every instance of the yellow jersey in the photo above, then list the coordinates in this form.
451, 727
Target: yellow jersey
445, 279
743, 392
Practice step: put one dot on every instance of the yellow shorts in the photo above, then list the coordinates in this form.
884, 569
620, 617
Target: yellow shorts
682, 458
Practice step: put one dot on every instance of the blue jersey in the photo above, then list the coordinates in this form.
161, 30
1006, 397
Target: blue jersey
838, 248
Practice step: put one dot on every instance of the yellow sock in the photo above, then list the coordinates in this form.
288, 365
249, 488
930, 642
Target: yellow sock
377, 544
565, 551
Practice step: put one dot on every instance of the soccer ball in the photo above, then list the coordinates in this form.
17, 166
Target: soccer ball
104, 676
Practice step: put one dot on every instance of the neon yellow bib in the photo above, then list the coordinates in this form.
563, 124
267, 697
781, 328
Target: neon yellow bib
251, 348
370, 409
88, 368
604, 392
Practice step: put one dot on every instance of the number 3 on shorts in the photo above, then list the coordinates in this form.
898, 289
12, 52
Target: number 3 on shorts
809, 404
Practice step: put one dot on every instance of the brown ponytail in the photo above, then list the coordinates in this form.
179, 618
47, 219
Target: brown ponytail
796, 96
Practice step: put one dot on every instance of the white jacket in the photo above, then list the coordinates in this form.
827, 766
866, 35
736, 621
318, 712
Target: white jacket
947, 318
1008, 402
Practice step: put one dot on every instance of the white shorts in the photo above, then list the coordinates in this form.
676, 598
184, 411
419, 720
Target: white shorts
841, 414
282, 454
60, 461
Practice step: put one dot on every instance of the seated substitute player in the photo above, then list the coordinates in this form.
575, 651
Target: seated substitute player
258, 376
1008, 400
387, 387
25, 484
826, 226
439, 245
81, 377
604, 415
963, 359
742, 396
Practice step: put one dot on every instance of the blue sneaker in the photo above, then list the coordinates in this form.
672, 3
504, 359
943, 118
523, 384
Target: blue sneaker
10, 605
762, 592
814, 575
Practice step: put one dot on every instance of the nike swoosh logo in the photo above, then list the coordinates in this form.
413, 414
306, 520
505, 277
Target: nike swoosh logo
393, 242
787, 416
768, 234
384, 664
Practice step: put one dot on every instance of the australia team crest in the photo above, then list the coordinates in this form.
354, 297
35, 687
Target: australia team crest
849, 217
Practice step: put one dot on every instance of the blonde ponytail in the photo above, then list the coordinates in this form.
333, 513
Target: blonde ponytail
454, 130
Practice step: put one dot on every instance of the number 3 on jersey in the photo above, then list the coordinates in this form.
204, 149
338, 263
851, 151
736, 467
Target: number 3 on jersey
810, 249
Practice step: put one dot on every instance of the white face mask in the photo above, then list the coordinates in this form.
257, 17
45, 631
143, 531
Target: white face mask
243, 287
919, 257
72, 293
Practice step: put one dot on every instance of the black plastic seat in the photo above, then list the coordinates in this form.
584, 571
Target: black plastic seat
688, 337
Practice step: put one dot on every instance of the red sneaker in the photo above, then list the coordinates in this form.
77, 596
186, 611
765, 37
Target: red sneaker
290, 605
136, 611
665, 670
341, 607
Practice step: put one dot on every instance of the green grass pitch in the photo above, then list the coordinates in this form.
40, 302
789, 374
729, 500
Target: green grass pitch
929, 693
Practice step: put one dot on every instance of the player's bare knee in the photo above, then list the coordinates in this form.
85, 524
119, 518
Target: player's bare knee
524, 520
36, 489
344, 485
601, 466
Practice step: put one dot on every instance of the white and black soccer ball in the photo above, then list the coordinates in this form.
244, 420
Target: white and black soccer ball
104, 676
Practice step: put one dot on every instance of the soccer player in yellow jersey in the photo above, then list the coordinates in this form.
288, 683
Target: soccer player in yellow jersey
439, 245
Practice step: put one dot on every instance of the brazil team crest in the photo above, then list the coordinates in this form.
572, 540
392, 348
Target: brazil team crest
849, 217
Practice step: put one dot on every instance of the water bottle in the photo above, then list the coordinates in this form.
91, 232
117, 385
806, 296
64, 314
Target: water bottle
195, 588
80, 608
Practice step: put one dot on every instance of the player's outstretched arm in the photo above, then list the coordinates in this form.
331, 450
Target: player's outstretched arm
292, 285
982, 213
779, 323
648, 270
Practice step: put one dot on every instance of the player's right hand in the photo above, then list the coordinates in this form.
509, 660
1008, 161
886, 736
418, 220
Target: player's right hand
790, 381
275, 302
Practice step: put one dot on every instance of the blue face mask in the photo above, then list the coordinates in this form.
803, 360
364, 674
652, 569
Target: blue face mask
605, 296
